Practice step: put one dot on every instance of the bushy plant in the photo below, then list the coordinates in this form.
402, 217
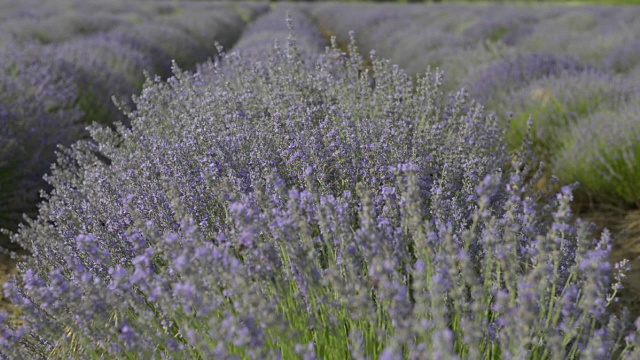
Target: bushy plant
211, 24
261, 33
587, 33
603, 153
37, 111
48, 94
624, 57
515, 72
413, 36
258, 209
103, 67
175, 42
507, 25
557, 103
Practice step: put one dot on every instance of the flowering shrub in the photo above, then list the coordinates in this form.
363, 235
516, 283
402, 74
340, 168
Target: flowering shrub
587, 33
624, 57
37, 112
507, 25
603, 152
49, 93
210, 24
513, 73
413, 36
261, 33
558, 103
32, 21
262, 209
103, 67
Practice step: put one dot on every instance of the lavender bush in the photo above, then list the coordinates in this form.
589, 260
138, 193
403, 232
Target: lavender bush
37, 112
49, 93
508, 25
260, 34
624, 57
603, 153
210, 24
587, 33
103, 68
413, 36
557, 103
276, 209
59, 21
515, 72
175, 42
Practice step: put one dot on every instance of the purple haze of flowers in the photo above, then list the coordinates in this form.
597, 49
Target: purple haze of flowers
261, 34
48, 93
518, 72
37, 112
256, 207
603, 152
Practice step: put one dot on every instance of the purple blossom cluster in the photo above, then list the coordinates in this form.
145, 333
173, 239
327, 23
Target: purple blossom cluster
282, 209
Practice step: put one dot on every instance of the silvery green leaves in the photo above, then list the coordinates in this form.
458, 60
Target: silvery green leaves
279, 208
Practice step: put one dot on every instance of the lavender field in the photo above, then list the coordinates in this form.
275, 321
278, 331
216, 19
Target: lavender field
245, 180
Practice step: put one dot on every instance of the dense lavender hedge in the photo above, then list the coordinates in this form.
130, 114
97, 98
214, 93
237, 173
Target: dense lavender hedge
34, 21
261, 34
258, 209
558, 65
558, 104
37, 111
605, 148
49, 93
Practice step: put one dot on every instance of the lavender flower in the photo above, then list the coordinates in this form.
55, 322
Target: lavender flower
281, 208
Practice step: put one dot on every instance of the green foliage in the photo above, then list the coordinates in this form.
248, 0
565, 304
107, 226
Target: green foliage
556, 104
603, 154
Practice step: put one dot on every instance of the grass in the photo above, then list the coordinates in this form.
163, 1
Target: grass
603, 154
558, 104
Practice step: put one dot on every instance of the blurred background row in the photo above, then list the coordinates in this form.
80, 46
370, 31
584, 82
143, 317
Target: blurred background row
63, 62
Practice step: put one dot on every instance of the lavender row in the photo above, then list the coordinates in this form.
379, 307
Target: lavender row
281, 209
32, 21
558, 65
49, 93
37, 111
262, 33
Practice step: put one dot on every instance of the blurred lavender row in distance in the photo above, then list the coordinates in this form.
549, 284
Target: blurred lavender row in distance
64, 61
